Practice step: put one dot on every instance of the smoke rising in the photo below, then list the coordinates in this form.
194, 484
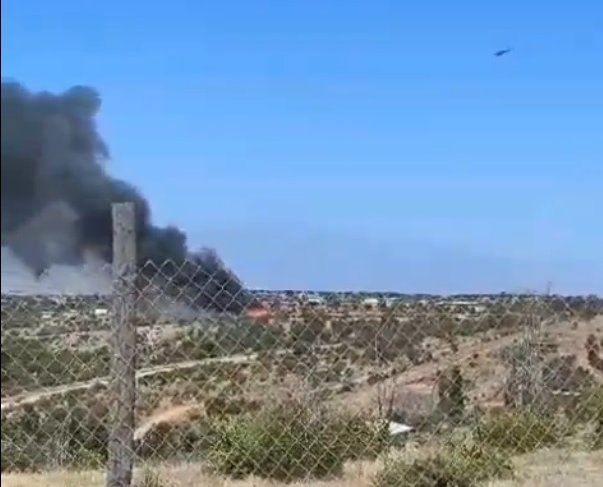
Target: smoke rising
54, 177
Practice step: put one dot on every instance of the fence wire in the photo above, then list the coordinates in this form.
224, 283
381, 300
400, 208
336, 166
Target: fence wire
352, 389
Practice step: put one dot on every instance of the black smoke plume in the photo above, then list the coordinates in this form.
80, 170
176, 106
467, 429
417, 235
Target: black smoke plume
52, 154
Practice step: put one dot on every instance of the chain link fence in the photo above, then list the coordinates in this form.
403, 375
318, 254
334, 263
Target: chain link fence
347, 389
181, 377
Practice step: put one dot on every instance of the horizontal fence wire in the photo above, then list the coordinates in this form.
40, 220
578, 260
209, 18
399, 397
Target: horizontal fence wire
340, 388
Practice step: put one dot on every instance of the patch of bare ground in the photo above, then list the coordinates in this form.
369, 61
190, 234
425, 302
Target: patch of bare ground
169, 416
480, 359
547, 468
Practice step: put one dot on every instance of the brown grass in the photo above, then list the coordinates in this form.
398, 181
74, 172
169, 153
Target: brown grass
557, 468
550, 468
356, 475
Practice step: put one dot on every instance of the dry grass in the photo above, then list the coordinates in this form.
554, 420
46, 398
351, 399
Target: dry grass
550, 468
557, 468
357, 475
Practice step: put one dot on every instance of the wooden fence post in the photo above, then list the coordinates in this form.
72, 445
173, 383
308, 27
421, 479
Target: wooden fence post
123, 335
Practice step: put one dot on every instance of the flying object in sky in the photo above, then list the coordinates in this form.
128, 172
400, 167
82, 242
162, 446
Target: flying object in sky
502, 52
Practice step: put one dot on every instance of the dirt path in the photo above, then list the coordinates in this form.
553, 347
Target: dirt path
172, 415
33, 397
30, 398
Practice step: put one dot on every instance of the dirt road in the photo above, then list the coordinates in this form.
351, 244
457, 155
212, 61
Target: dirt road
30, 398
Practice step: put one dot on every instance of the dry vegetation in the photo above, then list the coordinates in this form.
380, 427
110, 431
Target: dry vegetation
547, 468
210, 388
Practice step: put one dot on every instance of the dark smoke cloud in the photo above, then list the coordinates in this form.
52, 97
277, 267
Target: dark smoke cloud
52, 152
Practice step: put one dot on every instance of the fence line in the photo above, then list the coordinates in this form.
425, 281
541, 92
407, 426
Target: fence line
164, 390
121, 439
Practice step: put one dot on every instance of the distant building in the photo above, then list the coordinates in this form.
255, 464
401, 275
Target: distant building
371, 302
391, 302
468, 305
313, 299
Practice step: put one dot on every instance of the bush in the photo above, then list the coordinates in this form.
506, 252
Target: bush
585, 412
519, 432
289, 443
590, 410
598, 433
359, 437
31, 363
64, 437
462, 464
451, 394
597, 436
587, 406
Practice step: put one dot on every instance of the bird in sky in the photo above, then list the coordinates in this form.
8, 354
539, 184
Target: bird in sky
502, 52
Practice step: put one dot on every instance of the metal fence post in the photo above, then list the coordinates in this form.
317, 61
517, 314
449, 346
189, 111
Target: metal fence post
121, 445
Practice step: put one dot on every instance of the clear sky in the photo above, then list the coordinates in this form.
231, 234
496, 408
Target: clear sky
348, 144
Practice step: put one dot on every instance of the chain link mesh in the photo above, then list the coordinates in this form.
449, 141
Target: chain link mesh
322, 389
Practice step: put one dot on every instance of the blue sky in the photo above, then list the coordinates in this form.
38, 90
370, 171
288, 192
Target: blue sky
357, 144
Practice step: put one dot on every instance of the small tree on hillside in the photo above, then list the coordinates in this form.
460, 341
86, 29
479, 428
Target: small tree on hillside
451, 395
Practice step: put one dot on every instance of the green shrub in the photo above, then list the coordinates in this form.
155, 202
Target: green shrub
593, 409
597, 439
587, 410
519, 432
451, 395
463, 464
32, 363
64, 436
587, 406
359, 437
289, 443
